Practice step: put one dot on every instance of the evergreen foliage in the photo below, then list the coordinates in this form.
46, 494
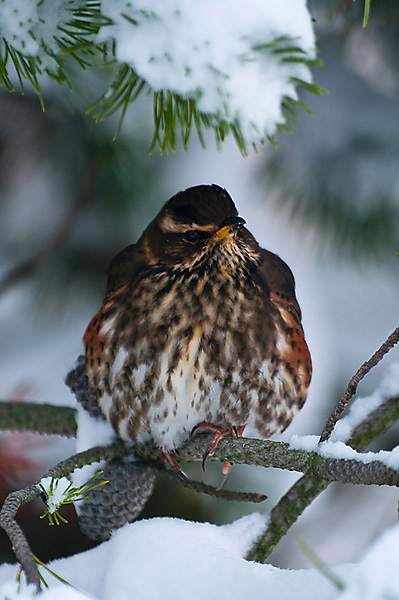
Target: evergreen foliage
174, 114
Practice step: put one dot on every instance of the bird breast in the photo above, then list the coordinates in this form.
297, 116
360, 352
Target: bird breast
171, 352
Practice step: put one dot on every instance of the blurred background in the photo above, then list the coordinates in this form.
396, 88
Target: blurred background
326, 200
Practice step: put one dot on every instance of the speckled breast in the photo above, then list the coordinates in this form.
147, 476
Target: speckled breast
174, 351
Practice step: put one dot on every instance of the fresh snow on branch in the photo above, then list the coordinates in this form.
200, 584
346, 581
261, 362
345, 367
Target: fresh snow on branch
226, 55
388, 388
335, 447
225, 65
31, 28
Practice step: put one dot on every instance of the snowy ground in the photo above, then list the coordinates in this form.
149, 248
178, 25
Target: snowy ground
170, 558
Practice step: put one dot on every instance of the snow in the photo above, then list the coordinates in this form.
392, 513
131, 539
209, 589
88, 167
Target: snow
208, 51
91, 432
377, 575
171, 558
55, 490
31, 27
335, 446
388, 388
330, 449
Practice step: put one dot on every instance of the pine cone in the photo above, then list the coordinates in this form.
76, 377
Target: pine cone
131, 481
120, 501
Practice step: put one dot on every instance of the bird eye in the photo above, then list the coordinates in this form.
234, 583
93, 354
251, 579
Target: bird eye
191, 236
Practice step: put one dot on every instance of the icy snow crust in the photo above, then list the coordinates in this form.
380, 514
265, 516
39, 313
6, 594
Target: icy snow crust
207, 51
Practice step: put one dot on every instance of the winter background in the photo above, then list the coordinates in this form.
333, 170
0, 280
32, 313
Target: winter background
326, 200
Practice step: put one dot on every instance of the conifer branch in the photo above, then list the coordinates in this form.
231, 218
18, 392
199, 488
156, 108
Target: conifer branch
175, 114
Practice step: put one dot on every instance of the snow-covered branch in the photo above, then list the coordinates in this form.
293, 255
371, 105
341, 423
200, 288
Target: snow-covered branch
319, 472
241, 79
333, 461
307, 488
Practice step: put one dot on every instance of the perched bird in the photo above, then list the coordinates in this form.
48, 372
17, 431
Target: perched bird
200, 327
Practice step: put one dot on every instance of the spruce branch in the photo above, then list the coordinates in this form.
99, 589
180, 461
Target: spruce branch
280, 455
55, 420
176, 112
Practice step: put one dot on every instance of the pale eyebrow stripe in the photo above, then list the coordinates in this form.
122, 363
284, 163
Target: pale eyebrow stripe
167, 224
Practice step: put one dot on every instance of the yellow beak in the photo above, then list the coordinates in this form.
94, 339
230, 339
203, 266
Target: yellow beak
230, 226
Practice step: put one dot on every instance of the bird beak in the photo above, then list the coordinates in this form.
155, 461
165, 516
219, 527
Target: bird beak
230, 226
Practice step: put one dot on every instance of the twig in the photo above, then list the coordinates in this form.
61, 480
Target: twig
18, 540
389, 343
16, 499
307, 488
210, 490
38, 418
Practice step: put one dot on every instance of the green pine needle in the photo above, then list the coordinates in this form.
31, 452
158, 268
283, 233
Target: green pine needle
366, 16
319, 564
58, 577
70, 494
175, 116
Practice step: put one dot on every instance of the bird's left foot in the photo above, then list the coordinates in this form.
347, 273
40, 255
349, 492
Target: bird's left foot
220, 433
167, 457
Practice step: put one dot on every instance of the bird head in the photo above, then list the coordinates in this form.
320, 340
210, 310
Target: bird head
198, 226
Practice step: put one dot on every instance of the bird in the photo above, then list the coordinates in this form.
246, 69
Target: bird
200, 328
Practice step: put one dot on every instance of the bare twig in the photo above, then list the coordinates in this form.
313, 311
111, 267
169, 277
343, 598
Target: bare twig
19, 543
209, 490
389, 343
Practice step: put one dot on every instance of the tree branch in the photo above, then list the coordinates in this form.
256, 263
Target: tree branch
38, 418
280, 455
49, 419
320, 471
307, 488
389, 343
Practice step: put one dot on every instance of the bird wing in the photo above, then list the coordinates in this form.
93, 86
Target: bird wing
123, 268
282, 295
281, 283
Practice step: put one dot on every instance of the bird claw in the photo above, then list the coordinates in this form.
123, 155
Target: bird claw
205, 456
220, 433
166, 457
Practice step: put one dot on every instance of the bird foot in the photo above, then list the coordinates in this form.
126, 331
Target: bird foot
220, 433
166, 457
